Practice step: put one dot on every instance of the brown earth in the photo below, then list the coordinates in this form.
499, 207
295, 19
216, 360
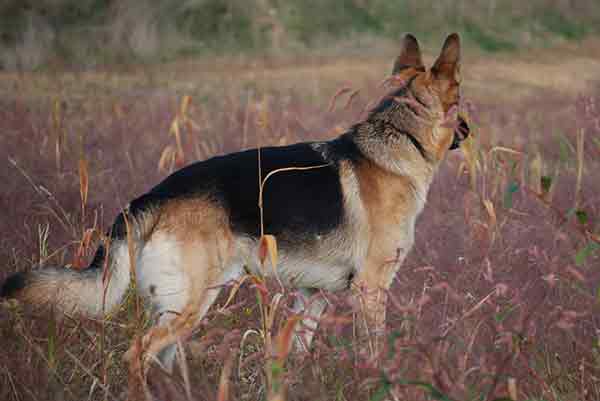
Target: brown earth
569, 69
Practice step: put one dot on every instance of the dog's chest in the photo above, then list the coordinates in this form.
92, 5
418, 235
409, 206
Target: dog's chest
391, 204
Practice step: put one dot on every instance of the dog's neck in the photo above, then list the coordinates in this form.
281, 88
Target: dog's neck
390, 154
390, 138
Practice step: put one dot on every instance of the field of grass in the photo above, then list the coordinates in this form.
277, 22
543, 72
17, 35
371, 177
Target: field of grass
498, 300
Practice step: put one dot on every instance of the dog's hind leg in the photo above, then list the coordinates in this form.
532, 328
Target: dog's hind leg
162, 282
187, 287
205, 277
312, 304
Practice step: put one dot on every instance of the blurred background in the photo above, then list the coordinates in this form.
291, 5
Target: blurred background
89, 33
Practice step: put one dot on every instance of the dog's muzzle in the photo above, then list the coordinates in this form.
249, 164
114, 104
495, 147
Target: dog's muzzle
461, 132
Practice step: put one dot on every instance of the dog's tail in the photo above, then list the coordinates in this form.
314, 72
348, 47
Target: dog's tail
95, 290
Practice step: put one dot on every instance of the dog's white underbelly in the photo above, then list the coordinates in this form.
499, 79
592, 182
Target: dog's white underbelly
303, 272
320, 273
302, 265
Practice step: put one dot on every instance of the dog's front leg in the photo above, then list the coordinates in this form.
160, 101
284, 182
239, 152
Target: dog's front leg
370, 286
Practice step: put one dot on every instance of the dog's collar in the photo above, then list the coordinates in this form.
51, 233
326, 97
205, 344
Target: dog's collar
415, 142
461, 132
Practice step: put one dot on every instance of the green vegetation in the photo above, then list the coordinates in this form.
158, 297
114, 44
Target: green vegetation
86, 33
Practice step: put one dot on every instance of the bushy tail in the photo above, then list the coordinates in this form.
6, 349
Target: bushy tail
90, 292
73, 291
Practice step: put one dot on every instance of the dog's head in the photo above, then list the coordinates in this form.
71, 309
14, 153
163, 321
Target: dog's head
432, 95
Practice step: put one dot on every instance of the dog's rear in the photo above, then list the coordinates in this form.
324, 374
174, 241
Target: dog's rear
178, 247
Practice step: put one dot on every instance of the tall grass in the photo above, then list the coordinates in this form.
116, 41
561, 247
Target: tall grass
499, 298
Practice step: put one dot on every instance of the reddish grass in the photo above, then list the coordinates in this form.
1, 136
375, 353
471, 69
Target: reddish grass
479, 303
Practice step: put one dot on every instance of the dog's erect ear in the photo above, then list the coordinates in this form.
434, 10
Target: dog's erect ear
410, 55
447, 65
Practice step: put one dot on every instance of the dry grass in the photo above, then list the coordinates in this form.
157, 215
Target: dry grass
499, 297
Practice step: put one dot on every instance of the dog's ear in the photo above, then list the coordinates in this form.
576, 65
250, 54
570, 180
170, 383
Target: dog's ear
447, 66
410, 55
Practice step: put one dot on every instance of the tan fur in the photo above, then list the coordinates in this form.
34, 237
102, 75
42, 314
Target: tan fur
392, 203
202, 231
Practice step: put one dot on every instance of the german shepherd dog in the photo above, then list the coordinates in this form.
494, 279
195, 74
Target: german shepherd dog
343, 216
